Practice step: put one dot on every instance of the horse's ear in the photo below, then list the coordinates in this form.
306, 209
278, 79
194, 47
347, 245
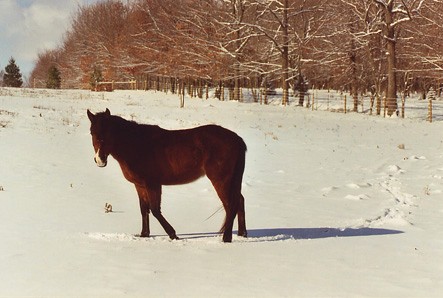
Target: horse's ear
90, 116
107, 112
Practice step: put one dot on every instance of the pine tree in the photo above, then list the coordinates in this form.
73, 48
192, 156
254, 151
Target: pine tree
12, 76
96, 77
54, 80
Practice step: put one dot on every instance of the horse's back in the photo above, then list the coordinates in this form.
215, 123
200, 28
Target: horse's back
219, 138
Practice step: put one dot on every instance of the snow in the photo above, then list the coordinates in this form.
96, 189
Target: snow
334, 207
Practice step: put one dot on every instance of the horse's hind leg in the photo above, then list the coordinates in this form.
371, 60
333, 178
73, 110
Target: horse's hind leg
231, 208
154, 195
241, 217
229, 223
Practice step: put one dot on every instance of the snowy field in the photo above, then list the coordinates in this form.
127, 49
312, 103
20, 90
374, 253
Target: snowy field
336, 205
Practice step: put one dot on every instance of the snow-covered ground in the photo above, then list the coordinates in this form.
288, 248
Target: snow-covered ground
336, 205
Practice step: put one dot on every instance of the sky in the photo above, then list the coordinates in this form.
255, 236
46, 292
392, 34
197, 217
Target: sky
28, 27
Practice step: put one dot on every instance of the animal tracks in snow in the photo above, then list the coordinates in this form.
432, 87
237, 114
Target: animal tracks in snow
394, 182
413, 158
358, 197
354, 187
391, 183
358, 186
395, 169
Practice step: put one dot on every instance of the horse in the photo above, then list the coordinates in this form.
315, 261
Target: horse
150, 157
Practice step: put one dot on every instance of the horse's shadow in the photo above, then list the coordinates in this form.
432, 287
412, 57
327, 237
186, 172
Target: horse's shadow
279, 234
318, 233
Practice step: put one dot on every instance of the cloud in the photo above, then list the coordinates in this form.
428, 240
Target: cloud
31, 26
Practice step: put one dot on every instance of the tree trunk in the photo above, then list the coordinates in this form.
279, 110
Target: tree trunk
237, 83
301, 89
285, 54
353, 60
391, 91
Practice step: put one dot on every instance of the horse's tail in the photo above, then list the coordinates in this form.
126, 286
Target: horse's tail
239, 169
235, 197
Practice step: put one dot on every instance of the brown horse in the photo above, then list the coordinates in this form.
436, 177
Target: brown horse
150, 157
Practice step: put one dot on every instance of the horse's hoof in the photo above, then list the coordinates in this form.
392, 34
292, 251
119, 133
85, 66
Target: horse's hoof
144, 235
174, 237
243, 234
227, 239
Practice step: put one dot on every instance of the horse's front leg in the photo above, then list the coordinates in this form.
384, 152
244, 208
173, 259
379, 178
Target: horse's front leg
144, 209
154, 195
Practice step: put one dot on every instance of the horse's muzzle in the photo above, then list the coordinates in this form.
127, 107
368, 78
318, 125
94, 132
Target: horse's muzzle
100, 162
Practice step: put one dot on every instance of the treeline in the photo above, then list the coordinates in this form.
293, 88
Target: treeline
385, 47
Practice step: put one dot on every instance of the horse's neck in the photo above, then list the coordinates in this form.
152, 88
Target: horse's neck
122, 131
130, 137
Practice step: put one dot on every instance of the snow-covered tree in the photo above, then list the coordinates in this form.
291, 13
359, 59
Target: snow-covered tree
355, 45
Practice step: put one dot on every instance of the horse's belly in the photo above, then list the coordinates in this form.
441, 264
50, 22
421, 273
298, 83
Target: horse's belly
182, 166
183, 176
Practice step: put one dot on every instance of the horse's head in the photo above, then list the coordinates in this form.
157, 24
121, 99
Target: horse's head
101, 137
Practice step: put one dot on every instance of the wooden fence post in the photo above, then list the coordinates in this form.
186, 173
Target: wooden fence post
362, 104
328, 101
345, 107
403, 101
285, 99
313, 100
430, 111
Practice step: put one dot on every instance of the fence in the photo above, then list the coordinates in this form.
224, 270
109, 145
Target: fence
112, 85
327, 100
412, 107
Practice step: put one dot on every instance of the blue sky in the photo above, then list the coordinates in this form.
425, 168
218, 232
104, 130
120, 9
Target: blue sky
28, 27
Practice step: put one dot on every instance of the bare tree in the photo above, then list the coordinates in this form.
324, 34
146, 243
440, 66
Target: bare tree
357, 45
234, 21
395, 14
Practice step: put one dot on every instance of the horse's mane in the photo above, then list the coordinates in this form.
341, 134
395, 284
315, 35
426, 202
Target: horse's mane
128, 128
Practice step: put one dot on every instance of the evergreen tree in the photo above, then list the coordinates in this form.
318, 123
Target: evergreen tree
12, 76
96, 76
54, 80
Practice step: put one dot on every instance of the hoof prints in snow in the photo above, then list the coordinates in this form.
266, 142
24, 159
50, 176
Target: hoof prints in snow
357, 197
398, 213
184, 238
